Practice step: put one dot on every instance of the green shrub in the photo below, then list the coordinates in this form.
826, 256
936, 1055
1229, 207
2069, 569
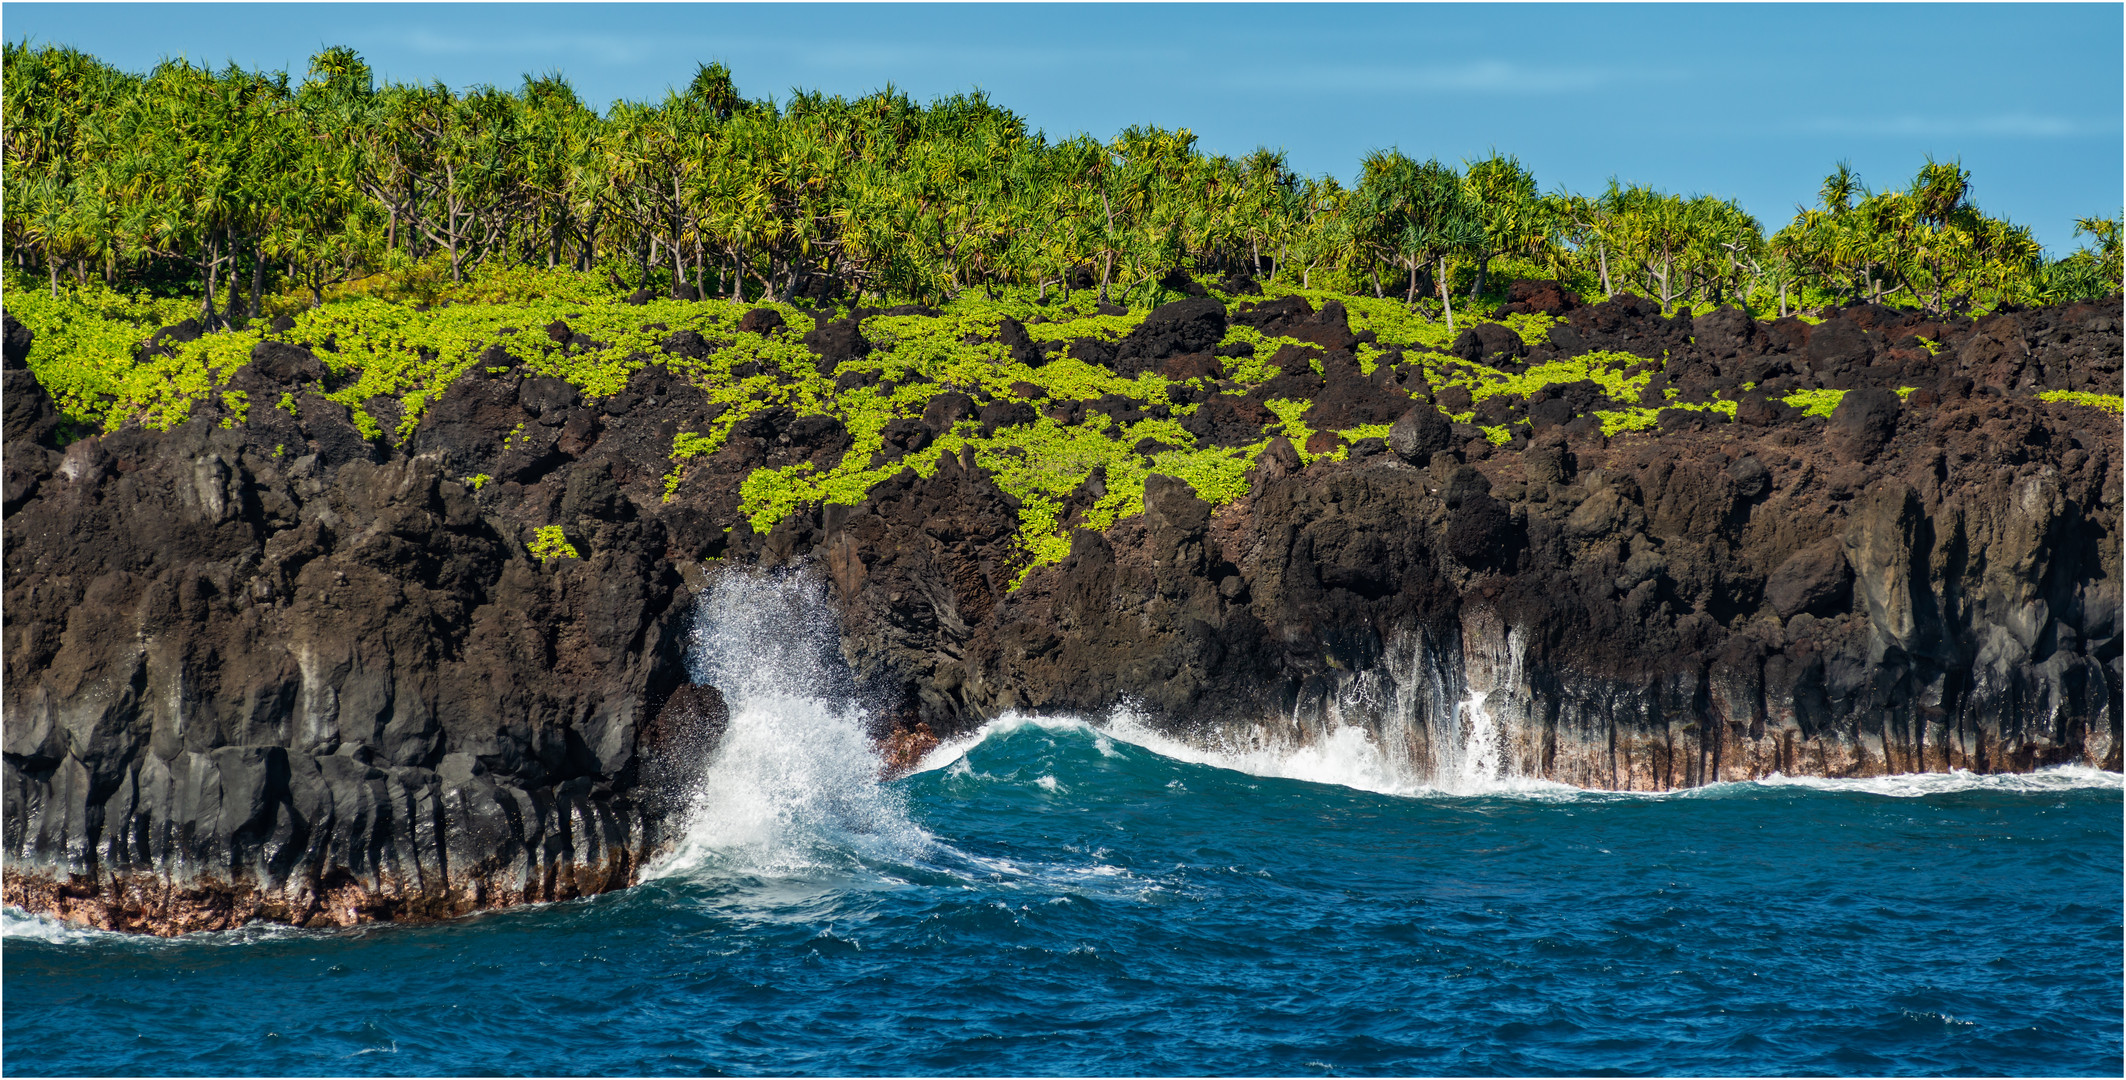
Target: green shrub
551, 543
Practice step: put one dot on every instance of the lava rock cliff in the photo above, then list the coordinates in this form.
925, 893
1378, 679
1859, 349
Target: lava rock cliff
261, 667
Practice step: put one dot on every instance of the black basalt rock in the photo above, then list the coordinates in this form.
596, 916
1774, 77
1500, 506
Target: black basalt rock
1184, 326
235, 644
1419, 434
1864, 422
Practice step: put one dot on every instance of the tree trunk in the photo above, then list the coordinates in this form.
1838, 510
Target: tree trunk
1107, 266
1483, 270
1446, 302
258, 281
206, 304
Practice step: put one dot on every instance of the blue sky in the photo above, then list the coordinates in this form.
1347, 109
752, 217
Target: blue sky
1744, 101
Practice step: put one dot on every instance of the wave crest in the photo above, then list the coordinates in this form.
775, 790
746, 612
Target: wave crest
1351, 757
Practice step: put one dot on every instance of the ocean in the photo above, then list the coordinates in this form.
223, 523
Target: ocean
1089, 897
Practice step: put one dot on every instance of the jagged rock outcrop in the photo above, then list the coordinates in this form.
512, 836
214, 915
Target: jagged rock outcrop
1715, 601
274, 669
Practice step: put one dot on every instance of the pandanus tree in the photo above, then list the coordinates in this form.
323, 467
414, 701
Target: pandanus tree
2104, 234
1654, 234
230, 174
60, 199
197, 157
1509, 210
1586, 230
1417, 216
1927, 241
556, 138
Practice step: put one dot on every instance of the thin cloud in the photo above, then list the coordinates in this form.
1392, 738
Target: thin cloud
603, 48
896, 58
1494, 77
1996, 125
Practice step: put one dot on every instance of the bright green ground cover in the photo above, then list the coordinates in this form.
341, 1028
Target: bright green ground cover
385, 347
2111, 403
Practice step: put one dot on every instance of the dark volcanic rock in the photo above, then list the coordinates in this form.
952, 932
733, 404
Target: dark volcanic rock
29, 414
1350, 401
1420, 433
1815, 579
276, 671
1228, 421
836, 341
1526, 297
1489, 343
762, 321
1024, 349
1838, 345
1293, 317
1184, 326
1864, 421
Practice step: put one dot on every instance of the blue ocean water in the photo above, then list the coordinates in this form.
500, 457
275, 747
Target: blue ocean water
1052, 897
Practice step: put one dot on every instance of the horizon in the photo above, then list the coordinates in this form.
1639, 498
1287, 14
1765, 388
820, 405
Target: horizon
2043, 147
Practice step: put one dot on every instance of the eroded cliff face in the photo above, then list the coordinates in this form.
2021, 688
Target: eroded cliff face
269, 669
1656, 613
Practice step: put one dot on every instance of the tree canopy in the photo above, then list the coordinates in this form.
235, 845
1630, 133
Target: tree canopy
227, 184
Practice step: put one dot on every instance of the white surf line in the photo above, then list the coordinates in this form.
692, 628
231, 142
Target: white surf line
1348, 758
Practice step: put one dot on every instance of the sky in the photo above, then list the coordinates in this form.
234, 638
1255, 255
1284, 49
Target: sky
1750, 102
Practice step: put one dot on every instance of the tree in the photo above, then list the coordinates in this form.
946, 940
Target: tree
1509, 209
1927, 241
1417, 216
227, 181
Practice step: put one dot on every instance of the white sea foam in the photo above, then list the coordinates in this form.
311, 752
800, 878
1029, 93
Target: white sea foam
1352, 757
794, 783
19, 925
794, 786
1345, 756
1915, 785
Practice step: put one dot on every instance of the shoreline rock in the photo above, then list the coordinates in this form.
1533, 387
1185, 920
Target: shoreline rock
276, 671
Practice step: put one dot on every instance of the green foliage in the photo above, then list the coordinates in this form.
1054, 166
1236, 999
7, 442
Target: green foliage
261, 195
1619, 421
1815, 402
1928, 245
84, 355
2111, 403
551, 543
421, 232
87, 337
238, 404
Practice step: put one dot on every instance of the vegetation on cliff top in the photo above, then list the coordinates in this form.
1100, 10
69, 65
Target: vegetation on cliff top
1088, 470
227, 187
412, 233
